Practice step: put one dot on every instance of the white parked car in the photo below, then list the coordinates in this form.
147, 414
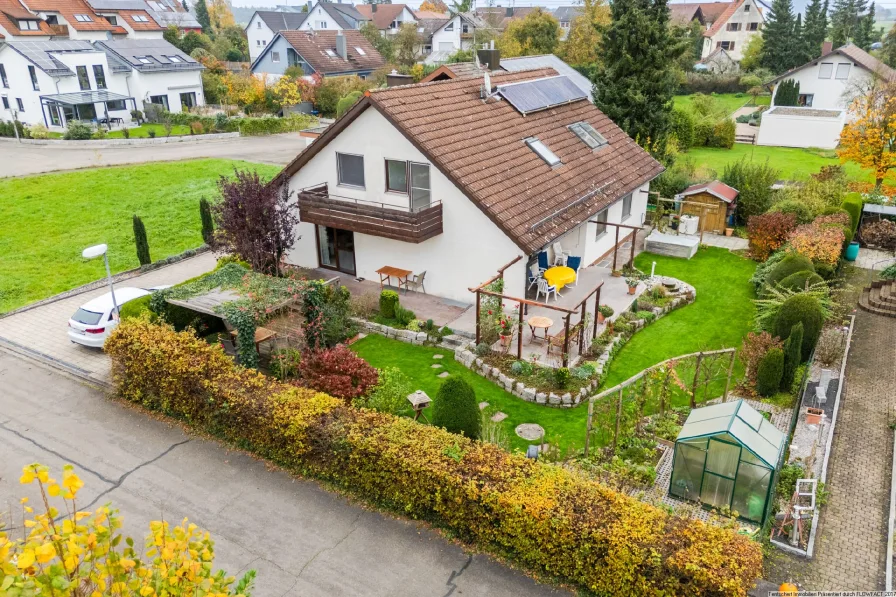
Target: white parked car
94, 321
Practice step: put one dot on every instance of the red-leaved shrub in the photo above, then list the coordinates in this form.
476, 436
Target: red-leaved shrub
338, 372
753, 350
768, 233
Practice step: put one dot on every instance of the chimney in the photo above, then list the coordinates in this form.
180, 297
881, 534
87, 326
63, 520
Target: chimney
508, 12
489, 58
340, 46
826, 47
394, 79
373, 7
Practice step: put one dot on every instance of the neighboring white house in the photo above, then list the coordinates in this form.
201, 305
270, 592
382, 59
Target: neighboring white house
828, 85
457, 33
734, 28
566, 15
54, 82
332, 16
433, 178
388, 18
265, 24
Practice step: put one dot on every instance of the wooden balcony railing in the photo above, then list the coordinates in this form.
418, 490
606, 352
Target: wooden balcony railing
58, 30
317, 206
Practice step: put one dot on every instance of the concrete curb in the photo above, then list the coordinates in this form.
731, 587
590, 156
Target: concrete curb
45, 360
892, 521
106, 143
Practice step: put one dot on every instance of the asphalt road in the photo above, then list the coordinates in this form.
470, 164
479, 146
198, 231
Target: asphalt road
21, 160
301, 539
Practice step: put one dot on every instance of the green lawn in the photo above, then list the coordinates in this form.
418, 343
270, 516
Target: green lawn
563, 426
720, 317
730, 101
142, 131
793, 163
46, 220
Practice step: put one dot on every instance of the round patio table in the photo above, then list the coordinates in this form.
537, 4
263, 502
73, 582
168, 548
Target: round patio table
560, 276
537, 322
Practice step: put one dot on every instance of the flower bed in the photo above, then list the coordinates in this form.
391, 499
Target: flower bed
550, 519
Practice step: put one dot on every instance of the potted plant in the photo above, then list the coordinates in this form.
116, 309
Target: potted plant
505, 330
616, 273
603, 312
632, 283
729, 231
814, 416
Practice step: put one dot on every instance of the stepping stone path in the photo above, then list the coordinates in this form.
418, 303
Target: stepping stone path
438, 356
483, 405
530, 431
498, 417
436, 366
443, 374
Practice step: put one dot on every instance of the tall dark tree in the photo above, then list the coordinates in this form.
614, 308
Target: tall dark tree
867, 33
815, 27
779, 47
848, 23
636, 80
800, 51
185, 5
254, 220
788, 93
888, 53
208, 224
202, 16
141, 241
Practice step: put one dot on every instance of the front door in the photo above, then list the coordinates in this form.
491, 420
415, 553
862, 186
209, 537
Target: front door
336, 249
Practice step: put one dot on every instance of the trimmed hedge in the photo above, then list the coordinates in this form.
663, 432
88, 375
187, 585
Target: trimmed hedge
791, 264
797, 282
770, 372
805, 309
853, 205
456, 409
550, 519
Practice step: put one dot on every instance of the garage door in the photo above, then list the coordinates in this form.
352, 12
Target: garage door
446, 46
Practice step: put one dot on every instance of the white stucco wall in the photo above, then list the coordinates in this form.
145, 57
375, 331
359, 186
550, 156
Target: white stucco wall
745, 14
319, 20
800, 131
441, 38
405, 16
258, 37
829, 93
171, 83
470, 248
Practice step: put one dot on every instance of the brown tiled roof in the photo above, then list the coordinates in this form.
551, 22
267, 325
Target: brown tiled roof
683, 14
719, 22
455, 70
384, 15
10, 13
151, 25
480, 147
428, 14
713, 10
69, 8
312, 47
496, 16
716, 188
854, 53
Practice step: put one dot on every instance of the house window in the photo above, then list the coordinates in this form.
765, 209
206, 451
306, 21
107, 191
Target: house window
449, 27
141, 18
264, 42
396, 176
33, 73
725, 45
393, 25
746, 8
733, 26
626, 207
144, 59
321, 24
275, 56
825, 70
588, 135
258, 42
100, 76
602, 227
805, 99
330, 53
112, 20
161, 100
83, 79
3, 78
258, 25
115, 105
52, 20
543, 151
564, 24
752, 26
350, 169
843, 71
465, 28
20, 104
421, 197
83, 18
360, 51
5, 102
28, 25
175, 59
188, 100
54, 116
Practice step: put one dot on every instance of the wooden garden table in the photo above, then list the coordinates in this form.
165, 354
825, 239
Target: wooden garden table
386, 273
537, 322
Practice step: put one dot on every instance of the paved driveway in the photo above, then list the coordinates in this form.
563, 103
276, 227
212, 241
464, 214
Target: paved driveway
21, 160
302, 540
43, 331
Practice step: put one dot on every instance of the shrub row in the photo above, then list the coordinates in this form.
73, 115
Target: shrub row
267, 125
545, 517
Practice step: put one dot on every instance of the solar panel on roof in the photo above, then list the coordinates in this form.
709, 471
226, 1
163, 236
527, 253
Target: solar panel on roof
541, 94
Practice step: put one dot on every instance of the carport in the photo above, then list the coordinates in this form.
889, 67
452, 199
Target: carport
81, 105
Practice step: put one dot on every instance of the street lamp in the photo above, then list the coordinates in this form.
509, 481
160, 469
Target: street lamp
94, 252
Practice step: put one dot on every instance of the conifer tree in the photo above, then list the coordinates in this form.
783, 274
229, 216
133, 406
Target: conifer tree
848, 24
815, 27
778, 50
202, 16
636, 80
141, 241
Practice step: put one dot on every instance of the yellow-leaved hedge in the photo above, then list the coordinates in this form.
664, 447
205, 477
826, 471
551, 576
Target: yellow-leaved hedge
550, 519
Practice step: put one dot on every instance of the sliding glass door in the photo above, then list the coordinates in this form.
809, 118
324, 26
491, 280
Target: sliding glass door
336, 249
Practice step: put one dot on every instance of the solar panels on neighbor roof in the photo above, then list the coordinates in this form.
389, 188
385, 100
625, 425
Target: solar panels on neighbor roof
541, 94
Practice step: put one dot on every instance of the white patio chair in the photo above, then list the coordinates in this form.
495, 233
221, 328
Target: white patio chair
534, 275
559, 254
546, 289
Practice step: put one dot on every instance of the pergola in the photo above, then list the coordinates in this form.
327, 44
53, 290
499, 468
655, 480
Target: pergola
76, 99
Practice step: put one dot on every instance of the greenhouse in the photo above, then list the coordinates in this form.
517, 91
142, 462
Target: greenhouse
726, 456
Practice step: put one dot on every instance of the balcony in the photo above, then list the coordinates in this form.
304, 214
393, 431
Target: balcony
318, 206
58, 30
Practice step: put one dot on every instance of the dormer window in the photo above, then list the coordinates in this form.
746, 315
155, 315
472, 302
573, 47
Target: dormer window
83, 18
141, 19
28, 26
52, 20
543, 152
112, 20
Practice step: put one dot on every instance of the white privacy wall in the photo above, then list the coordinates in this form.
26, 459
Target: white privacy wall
800, 131
470, 249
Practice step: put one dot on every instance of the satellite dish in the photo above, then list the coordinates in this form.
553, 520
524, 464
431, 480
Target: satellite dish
488, 82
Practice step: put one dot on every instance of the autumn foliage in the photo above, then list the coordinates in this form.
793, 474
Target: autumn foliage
545, 517
754, 348
339, 372
768, 233
67, 552
819, 242
870, 140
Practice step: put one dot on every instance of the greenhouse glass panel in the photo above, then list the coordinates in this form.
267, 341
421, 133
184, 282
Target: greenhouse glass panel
716, 491
751, 417
687, 472
751, 491
722, 458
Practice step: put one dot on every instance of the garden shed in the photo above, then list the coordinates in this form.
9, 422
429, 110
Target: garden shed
726, 456
713, 202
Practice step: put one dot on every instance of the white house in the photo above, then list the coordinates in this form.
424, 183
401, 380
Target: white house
734, 28
54, 82
828, 85
432, 177
457, 33
265, 24
332, 16
388, 18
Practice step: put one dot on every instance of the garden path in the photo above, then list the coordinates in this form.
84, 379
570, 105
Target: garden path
852, 540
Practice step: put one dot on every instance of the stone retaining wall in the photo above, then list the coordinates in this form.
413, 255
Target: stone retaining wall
104, 143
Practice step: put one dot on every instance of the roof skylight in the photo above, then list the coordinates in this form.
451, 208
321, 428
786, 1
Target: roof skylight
360, 51
330, 53
543, 152
586, 133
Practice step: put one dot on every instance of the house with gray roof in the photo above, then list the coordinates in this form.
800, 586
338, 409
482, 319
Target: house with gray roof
317, 16
265, 24
54, 82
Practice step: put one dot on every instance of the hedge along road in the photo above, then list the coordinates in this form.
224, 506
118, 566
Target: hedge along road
302, 539
21, 159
